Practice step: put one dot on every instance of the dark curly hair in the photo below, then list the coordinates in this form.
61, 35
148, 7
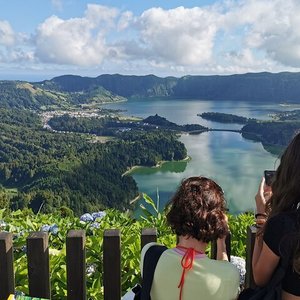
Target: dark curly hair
198, 210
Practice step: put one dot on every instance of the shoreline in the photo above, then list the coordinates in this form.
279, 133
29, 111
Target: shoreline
158, 165
112, 102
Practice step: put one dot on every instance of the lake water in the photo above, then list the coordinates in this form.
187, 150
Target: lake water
235, 163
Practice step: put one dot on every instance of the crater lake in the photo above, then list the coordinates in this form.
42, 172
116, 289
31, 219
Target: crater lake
235, 163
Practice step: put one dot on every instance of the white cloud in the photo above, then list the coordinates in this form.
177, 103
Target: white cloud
181, 35
233, 36
100, 15
77, 41
189, 38
272, 26
125, 20
7, 35
19, 55
13, 45
244, 61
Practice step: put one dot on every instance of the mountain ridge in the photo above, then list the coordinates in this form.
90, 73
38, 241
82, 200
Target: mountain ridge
74, 89
283, 86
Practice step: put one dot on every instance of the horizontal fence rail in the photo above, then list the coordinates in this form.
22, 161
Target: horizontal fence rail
38, 262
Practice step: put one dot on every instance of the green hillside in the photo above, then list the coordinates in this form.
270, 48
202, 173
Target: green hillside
278, 87
17, 94
75, 169
67, 90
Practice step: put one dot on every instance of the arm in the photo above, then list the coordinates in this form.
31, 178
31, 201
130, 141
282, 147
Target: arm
221, 245
221, 249
264, 260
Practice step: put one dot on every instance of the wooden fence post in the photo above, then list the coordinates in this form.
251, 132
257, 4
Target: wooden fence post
7, 282
38, 265
213, 249
251, 232
112, 264
148, 235
76, 266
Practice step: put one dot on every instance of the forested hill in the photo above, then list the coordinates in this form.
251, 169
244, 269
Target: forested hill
124, 85
78, 169
68, 90
20, 94
280, 87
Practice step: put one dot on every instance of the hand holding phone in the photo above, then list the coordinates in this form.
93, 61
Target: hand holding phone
269, 177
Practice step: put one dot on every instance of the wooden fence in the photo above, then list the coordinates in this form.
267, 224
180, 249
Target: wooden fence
38, 263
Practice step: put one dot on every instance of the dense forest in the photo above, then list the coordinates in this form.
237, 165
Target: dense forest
225, 118
163, 122
46, 170
275, 135
272, 133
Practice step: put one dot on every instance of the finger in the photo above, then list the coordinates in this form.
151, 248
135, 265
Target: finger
261, 186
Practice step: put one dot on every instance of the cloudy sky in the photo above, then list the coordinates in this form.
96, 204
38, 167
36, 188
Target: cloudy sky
42, 39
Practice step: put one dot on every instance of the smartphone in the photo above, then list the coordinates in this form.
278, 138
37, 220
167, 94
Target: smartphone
269, 176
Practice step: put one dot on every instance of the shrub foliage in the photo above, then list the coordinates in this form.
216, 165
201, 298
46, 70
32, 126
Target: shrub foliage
21, 223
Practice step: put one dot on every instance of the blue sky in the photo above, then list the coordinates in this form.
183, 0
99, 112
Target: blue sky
43, 39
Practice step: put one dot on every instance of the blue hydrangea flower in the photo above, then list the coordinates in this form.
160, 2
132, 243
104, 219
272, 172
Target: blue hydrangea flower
99, 214
45, 228
24, 249
240, 263
95, 225
53, 229
87, 218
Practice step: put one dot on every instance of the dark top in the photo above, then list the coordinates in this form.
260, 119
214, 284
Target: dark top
281, 237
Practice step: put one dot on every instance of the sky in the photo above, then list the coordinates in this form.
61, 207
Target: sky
41, 39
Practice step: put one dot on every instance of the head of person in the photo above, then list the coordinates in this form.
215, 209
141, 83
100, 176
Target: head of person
197, 210
286, 186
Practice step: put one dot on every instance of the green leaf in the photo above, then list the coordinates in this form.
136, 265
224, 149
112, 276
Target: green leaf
150, 202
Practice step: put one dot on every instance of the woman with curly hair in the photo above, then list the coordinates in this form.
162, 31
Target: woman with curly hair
197, 216
278, 219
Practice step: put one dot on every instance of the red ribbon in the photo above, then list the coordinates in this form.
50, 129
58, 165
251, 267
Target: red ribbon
187, 264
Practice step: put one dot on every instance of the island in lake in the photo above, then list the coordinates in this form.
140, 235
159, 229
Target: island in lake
225, 118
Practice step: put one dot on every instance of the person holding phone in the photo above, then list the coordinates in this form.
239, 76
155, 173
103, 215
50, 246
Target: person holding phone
278, 222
